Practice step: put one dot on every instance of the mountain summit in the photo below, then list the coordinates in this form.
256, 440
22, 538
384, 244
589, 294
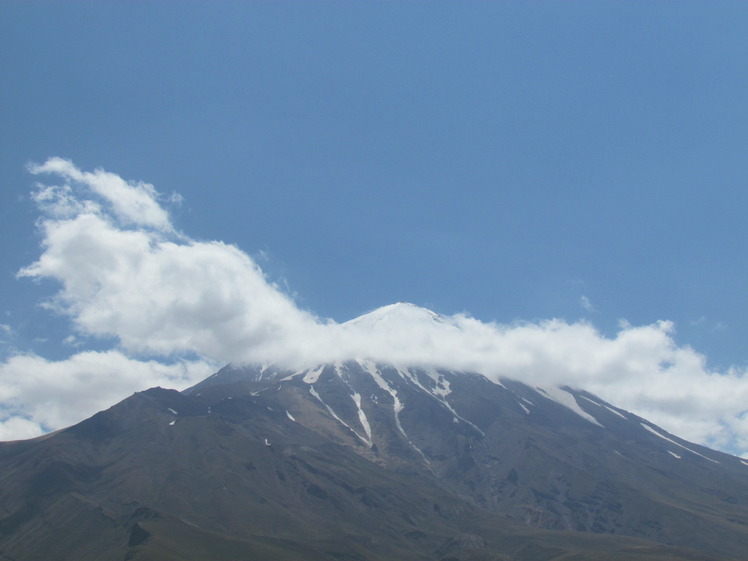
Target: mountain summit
362, 460
397, 314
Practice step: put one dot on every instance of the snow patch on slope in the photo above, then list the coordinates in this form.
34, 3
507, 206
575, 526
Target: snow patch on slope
336, 417
655, 432
567, 399
599, 404
442, 388
362, 416
440, 395
621, 415
397, 404
311, 376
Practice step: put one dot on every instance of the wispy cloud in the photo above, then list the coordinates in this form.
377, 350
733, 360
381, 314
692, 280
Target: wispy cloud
707, 324
586, 304
130, 202
125, 273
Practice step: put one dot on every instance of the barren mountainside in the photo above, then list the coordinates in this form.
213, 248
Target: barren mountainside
367, 461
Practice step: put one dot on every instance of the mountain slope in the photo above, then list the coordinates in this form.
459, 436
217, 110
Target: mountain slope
554, 458
367, 461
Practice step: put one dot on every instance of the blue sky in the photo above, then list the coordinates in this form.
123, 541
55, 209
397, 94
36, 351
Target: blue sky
583, 161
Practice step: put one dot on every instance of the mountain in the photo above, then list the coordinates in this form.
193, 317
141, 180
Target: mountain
360, 460
394, 315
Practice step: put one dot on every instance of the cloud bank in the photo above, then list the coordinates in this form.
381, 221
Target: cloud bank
38, 395
126, 274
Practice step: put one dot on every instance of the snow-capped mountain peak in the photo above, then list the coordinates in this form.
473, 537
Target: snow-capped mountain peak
401, 313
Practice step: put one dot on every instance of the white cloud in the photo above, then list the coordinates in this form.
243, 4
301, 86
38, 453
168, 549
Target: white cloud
19, 428
72, 341
40, 395
155, 292
133, 203
161, 296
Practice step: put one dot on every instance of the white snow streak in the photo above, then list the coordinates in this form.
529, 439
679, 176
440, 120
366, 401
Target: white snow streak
362, 416
441, 388
356, 397
653, 431
311, 376
335, 415
621, 415
440, 396
563, 397
397, 404
603, 405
